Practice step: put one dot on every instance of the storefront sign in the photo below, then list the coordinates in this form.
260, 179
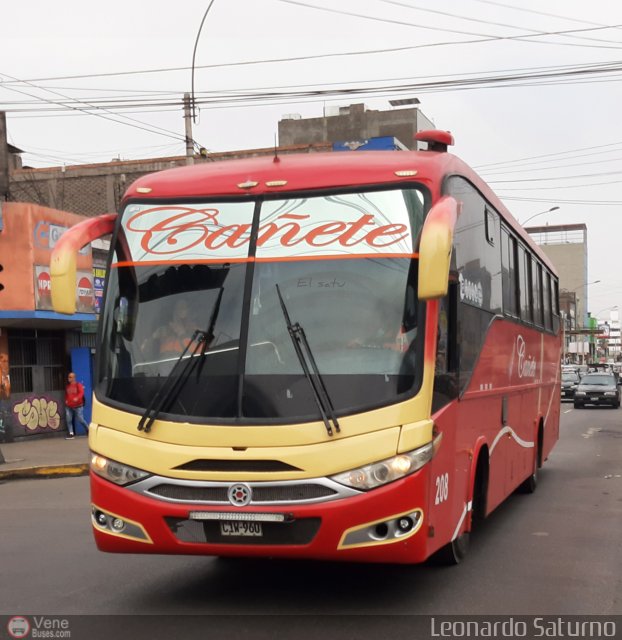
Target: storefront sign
47, 235
43, 290
99, 279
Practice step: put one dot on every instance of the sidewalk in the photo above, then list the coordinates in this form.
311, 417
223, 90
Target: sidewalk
51, 457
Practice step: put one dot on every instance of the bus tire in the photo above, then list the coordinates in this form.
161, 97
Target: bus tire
454, 552
531, 483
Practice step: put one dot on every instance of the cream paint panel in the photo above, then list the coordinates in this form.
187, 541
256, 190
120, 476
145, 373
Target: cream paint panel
415, 435
196, 435
314, 460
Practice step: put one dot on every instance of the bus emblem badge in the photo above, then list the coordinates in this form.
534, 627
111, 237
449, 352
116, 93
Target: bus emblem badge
239, 495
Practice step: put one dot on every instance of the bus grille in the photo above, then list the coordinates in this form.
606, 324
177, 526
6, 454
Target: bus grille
270, 494
237, 466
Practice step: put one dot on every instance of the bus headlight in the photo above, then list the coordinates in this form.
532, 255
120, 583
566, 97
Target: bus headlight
378, 473
116, 472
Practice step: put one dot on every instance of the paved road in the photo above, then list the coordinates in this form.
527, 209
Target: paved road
554, 552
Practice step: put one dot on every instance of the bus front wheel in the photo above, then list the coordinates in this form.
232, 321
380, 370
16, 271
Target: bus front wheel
454, 552
531, 483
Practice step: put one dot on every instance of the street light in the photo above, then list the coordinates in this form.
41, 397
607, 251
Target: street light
614, 308
587, 284
539, 214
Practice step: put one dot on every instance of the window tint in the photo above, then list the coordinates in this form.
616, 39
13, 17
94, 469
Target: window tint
524, 273
536, 281
546, 297
555, 302
476, 248
508, 267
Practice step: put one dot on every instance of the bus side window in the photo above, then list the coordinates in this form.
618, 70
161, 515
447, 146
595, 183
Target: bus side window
546, 298
536, 282
453, 360
508, 266
445, 376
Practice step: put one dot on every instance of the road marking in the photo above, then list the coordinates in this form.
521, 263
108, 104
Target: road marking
591, 431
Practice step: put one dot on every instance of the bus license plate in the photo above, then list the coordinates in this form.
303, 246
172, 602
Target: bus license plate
234, 528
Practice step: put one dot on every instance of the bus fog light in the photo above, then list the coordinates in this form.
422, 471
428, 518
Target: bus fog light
118, 524
405, 524
395, 528
114, 525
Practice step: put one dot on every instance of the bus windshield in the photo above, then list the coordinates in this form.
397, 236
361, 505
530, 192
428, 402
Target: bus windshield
345, 265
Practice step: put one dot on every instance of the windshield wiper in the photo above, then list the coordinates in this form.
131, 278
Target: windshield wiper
320, 394
163, 399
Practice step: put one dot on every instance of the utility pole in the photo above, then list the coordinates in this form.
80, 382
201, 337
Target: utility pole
4, 159
564, 337
188, 123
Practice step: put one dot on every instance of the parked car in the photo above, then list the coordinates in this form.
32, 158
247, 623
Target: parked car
570, 382
599, 389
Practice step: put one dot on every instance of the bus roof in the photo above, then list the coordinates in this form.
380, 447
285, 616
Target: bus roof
317, 171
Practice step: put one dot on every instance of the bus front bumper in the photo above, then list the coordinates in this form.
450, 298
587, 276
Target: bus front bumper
387, 524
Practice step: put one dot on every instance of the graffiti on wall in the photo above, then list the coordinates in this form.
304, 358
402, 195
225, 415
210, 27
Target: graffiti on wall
37, 413
5, 380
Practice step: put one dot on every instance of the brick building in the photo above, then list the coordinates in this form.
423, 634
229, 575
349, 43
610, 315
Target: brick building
94, 189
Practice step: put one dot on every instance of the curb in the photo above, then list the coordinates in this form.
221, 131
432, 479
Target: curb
49, 471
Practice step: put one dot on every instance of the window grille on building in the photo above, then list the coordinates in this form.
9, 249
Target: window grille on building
36, 360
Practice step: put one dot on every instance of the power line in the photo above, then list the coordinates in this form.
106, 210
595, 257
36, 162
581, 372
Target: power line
564, 187
607, 67
490, 22
301, 58
256, 96
486, 37
541, 13
551, 168
584, 175
606, 203
548, 155
84, 110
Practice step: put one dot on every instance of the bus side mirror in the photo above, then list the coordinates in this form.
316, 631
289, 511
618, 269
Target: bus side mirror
125, 318
435, 249
65, 255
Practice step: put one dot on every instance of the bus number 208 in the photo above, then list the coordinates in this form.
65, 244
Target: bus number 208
442, 488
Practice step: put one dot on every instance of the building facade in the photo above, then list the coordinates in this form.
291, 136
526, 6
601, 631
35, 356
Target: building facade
566, 246
354, 125
36, 342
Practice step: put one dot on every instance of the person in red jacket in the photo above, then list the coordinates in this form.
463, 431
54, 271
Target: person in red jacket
74, 405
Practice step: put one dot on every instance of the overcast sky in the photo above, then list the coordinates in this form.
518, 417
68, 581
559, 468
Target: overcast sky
540, 143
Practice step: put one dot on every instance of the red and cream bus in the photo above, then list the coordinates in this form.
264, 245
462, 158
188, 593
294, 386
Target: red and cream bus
369, 364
